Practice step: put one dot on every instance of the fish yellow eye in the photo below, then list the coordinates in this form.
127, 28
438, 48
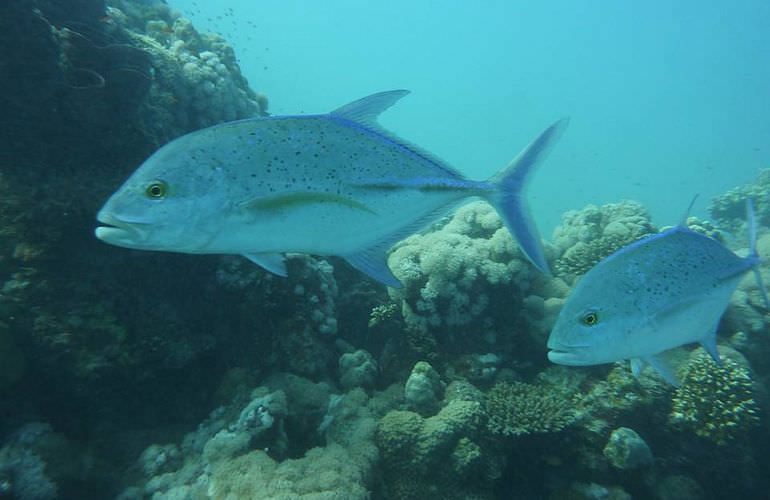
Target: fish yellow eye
156, 190
590, 319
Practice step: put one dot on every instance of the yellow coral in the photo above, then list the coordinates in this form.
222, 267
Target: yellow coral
716, 402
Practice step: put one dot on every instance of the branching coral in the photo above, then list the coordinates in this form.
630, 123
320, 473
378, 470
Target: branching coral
716, 402
587, 236
515, 409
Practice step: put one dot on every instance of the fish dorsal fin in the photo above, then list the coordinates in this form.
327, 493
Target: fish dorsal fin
273, 262
663, 368
366, 110
683, 220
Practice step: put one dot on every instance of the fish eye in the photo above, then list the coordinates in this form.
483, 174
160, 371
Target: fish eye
156, 190
590, 319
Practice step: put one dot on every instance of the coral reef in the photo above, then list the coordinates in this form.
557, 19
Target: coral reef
587, 236
517, 408
424, 389
715, 402
357, 369
627, 450
438, 456
237, 452
729, 209
319, 385
464, 280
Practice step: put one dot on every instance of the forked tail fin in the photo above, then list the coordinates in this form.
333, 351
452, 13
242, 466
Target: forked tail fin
752, 224
508, 199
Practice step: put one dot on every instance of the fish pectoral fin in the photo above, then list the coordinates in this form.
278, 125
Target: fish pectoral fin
636, 366
684, 306
273, 262
302, 198
663, 368
374, 263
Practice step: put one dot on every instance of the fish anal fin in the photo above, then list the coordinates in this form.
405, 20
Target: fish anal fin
272, 262
709, 344
374, 263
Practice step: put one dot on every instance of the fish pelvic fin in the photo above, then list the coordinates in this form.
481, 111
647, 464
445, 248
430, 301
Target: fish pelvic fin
508, 199
666, 371
754, 255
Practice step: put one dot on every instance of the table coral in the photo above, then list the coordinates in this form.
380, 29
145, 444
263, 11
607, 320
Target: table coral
715, 402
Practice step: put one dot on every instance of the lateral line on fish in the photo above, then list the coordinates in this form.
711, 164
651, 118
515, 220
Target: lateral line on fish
428, 184
303, 198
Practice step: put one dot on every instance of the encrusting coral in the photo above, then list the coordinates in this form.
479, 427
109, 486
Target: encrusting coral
435, 457
715, 402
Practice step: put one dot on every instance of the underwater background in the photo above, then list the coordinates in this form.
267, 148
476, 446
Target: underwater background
131, 375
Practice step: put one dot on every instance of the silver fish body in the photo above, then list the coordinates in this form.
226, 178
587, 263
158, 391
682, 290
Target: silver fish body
662, 292
334, 184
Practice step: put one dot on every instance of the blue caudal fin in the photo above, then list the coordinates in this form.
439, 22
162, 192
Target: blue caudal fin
752, 223
509, 200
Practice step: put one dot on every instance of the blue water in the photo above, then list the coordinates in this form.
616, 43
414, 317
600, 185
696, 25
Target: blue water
667, 99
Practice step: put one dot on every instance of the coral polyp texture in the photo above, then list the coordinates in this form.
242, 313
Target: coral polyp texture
587, 236
464, 280
715, 402
729, 209
518, 408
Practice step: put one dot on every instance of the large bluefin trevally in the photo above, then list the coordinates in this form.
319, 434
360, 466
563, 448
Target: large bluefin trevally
333, 184
661, 292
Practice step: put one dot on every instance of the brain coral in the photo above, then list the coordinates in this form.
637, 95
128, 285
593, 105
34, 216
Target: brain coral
587, 236
515, 409
715, 402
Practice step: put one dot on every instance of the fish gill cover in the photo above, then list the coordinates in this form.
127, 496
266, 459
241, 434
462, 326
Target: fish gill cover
141, 375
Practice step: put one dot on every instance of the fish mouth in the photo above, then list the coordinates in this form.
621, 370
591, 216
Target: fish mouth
566, 355
121, 232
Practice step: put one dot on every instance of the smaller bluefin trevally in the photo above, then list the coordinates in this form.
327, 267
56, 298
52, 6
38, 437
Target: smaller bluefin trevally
333, 184
658, 293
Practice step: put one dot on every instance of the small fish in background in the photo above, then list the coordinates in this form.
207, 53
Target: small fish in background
658, 293
333, 184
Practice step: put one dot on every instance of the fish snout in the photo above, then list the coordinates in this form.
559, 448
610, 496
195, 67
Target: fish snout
566, 354
120, 231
